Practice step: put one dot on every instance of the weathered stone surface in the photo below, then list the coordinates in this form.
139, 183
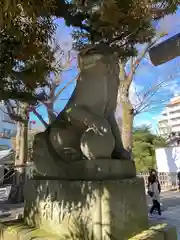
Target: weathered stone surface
170, 234
115, 207
19, 231
149, 235
169, 231
158, 232
101, 169
86, 128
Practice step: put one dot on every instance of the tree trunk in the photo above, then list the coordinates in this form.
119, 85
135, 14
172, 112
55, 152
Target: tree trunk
17, 143
127, 126
127, 115
21, 152
50, 110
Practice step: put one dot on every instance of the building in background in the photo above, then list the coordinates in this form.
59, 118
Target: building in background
7, 128
168, 163
169, 121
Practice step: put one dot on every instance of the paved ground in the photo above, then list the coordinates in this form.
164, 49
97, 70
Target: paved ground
171, 210
169, 199
170, 205
10, 211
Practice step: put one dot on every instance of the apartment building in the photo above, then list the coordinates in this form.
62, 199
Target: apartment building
169, 121
7, 128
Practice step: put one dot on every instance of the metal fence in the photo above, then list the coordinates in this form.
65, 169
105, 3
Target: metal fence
168, 181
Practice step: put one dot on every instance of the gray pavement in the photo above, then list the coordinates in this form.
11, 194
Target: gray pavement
170, 205
171, 210
10, 212
168, 199
170, 216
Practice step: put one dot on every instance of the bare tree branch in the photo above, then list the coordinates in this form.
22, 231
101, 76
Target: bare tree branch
62, 89
39, 117
144, 52
145, 101
4, 111
126, 79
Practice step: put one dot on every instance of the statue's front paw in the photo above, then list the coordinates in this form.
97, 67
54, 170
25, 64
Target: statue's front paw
97, 146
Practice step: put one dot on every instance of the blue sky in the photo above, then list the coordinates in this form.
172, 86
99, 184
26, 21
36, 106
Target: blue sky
147, 77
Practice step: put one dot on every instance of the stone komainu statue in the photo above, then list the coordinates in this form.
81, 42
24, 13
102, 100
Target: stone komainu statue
86, 128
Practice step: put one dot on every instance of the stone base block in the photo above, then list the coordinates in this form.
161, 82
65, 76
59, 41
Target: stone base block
159, 232
170, 232
18, 231
108, 208
100, 169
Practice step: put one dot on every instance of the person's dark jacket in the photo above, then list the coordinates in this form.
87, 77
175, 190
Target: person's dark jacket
159, 186
178, 175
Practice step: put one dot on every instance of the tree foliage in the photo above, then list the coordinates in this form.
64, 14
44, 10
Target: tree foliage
26, 28
25, 52
120, 24
144, 144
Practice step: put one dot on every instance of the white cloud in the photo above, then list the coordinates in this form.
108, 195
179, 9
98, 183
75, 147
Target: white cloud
64, 36
134, 96
155, 117
169, 23
172, 87
142, 122
66, 44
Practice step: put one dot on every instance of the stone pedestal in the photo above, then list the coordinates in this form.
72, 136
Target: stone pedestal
114, 207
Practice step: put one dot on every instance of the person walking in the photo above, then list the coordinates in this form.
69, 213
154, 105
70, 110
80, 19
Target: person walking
153, 173
154, 193
178, 178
